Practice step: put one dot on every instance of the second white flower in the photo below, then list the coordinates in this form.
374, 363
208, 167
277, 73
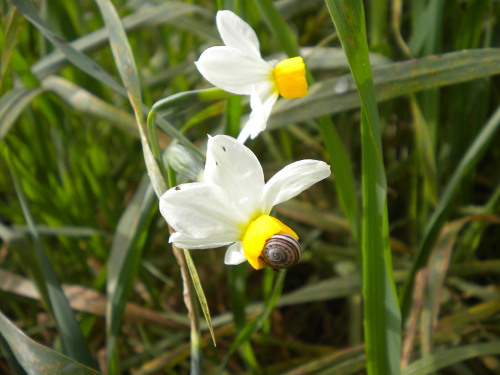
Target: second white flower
238, 68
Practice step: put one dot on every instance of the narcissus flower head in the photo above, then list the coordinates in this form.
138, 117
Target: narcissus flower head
238, 68
232, 205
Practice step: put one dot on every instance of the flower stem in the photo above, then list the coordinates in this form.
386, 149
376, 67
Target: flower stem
168, 106
155, 145
192, 308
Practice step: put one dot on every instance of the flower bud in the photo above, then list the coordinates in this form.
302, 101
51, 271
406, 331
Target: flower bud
184, 162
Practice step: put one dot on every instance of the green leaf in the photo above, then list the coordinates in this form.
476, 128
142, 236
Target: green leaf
124, 60
38, 359
38, 265
124, 259
391, 81
76, 57
122, 53
146, 16
381, 311
199, 292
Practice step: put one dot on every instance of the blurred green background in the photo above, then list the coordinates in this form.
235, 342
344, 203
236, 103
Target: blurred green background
75, 205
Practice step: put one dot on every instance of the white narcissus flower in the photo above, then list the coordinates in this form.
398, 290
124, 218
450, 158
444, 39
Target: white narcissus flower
232, 205
238, 68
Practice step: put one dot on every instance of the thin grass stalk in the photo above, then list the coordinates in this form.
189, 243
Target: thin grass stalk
396, 13
167, 106
188, 295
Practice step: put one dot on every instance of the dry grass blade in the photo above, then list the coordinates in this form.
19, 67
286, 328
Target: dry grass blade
343, 362
412, 324
429, 286
455, 326
85, 300
307, 214
445, 358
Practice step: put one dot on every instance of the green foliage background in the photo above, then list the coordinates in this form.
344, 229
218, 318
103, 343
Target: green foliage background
78, 213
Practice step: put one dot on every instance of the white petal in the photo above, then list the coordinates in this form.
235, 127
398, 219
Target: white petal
234, 254
237, 33
261, 102
293, 180
200, 211
237, 171
183, 241
233, 70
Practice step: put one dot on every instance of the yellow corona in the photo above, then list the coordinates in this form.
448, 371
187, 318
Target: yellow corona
290, 77
256, 235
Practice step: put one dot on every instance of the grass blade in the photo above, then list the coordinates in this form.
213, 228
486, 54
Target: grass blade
123, 264
124, 260
438, 218
147, 15
199, 292
123, 56
381, 311
86, 103
125, 63
425, 151
11, 106
391, 81
49, 286
77, 58
35, 358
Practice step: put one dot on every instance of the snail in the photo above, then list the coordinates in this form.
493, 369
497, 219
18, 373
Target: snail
281, 251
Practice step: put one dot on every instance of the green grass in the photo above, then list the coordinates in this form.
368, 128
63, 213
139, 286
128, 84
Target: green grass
400, 267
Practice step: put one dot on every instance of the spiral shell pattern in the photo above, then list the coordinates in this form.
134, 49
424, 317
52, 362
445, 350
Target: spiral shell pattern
281, 251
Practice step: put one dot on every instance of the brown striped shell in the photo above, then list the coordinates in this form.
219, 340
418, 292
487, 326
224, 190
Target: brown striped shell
281, 251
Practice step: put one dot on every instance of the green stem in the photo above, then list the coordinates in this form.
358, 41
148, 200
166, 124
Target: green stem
171, 104
155, 145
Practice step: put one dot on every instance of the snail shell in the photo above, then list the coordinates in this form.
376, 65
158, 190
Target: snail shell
281, 251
